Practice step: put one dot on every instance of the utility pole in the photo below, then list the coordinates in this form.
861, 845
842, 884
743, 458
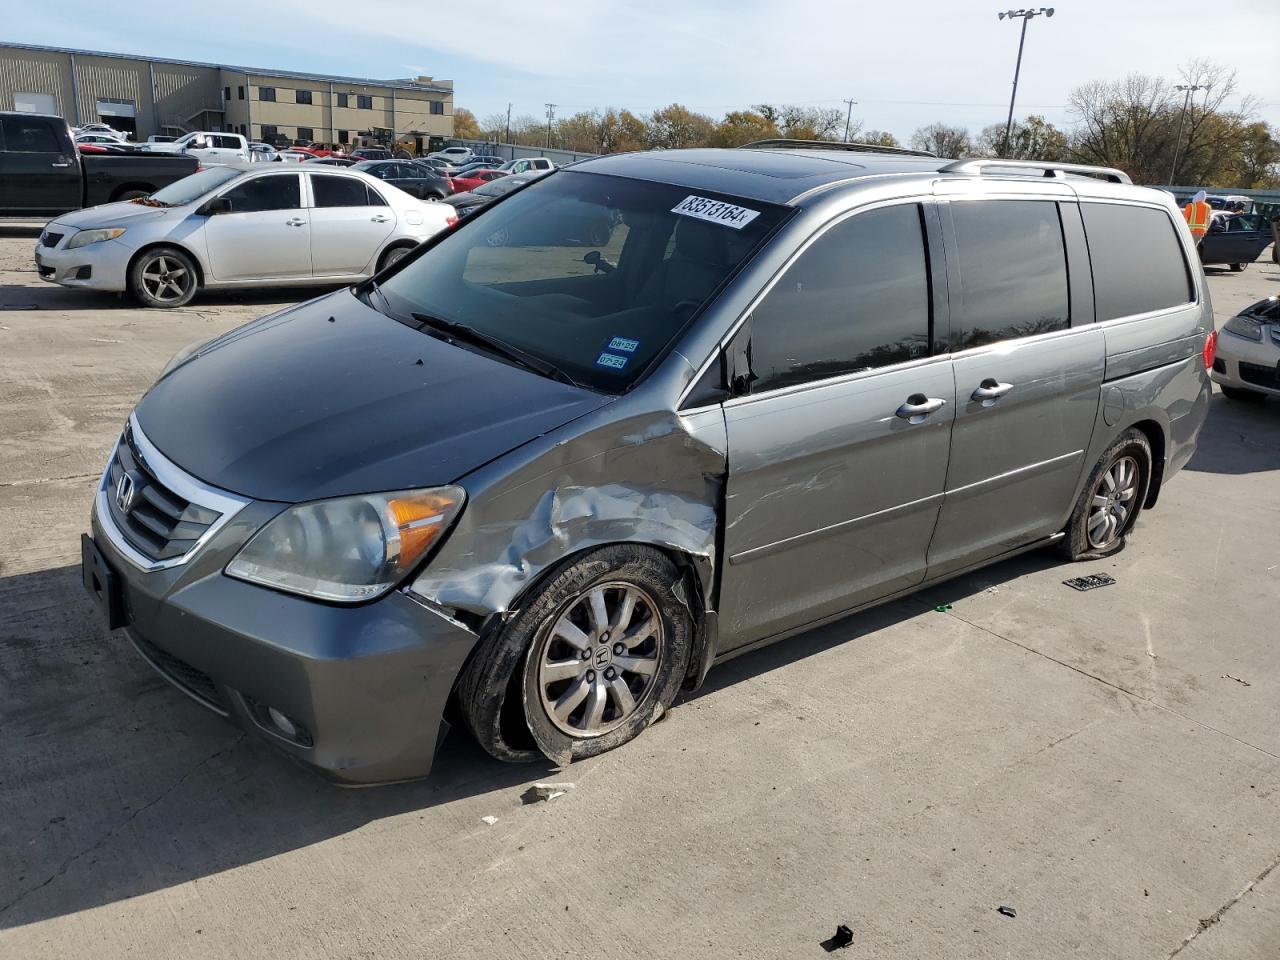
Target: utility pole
1026, 16
551, 115
1190, 88
508, 139
848, 118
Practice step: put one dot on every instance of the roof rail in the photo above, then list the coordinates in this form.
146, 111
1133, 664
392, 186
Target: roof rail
785, 144
1049, 168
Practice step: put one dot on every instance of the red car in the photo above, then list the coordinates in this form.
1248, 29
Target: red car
475, 178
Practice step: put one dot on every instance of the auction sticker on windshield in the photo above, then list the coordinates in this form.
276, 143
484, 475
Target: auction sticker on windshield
715, 211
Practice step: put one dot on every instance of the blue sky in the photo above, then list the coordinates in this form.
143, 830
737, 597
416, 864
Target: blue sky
906, 64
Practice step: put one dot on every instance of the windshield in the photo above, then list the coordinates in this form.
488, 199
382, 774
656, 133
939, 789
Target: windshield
192, 188
496, 188
596, 275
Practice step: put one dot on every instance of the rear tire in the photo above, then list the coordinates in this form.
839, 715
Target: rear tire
393, 256
611, 687
1238, 267
1111, 499
163, 278
1243, 396
131, 195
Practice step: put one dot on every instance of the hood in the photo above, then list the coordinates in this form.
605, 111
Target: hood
332, 398
116, 214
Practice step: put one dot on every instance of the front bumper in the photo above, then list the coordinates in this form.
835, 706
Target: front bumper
364, 686
1248, 364
96, 266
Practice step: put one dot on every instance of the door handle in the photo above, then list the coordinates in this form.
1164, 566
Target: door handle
61, 163
295, 222
918, 406
379, 219
989, 391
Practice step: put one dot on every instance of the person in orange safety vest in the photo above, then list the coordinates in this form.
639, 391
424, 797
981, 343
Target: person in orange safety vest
1197, 212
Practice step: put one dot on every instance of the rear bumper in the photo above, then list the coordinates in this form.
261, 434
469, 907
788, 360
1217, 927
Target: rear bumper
364, 687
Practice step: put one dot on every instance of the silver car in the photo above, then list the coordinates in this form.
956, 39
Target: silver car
238, 226
1247, 366
535, 482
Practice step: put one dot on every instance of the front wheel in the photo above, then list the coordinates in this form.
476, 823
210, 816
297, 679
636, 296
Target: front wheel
587, 664
163, 277
1238, 267
1111, 500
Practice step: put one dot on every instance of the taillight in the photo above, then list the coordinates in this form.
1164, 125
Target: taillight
199, 167
1210, 349
451, 222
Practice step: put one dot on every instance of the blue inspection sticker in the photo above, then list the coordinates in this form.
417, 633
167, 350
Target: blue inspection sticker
612, 361
623, 344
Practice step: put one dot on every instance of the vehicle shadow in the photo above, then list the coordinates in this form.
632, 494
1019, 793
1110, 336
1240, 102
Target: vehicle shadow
1238, 438
116, 785
46, 296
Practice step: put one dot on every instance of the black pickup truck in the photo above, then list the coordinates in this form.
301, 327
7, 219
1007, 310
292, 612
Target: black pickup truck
43, 174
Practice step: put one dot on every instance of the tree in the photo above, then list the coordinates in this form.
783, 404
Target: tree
676, 126
1259, 160
1032, 139
879, 138
465, 126
943, 141
805, 123
739, 127
594, 131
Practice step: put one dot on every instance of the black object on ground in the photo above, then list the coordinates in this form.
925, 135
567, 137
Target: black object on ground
1091, 582
1006, 911
843, 937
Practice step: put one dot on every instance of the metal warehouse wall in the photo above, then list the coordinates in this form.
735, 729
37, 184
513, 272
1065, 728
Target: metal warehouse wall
29, 71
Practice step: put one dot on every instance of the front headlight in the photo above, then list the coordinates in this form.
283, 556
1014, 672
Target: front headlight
349, 549
86, 237
1244, 327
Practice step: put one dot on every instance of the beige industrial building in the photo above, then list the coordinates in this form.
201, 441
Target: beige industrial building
150, 95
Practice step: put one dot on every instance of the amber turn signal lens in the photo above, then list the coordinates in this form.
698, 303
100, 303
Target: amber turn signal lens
419, 519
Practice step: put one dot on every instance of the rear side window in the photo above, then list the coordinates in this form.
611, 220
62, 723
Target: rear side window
29, 135
1138, 264
1013, 271
856, 299
339, 191
265, 193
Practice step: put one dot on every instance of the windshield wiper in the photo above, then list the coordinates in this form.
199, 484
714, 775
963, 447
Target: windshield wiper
461, 331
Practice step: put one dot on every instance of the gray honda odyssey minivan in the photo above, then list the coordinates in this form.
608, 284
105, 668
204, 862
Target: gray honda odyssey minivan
636, 417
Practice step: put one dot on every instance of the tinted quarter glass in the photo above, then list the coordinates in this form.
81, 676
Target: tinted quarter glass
1138, 264
339, 191
265, 193
1013, 270
856, 299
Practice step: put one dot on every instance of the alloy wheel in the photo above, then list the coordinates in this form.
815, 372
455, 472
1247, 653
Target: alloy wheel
1112, 503
165, 279
597, 658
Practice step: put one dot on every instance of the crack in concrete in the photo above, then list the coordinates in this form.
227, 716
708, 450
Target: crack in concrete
1217, 915
1115, 686
32, 483
66, 864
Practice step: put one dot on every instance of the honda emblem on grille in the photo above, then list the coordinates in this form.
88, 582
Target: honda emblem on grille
125, 489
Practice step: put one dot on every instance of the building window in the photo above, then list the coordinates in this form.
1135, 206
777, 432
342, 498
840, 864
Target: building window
437, 107
226, 94
267, 93
269, 130
342, 136
364, 102
302, 96
241, 91
342, 99
306, 133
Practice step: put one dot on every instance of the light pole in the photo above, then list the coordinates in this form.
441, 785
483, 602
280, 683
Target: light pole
848, 119
1026, 16
1190, 88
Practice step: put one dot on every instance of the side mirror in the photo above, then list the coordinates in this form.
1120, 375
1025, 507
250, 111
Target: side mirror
215, 206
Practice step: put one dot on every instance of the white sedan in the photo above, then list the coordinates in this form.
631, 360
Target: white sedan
239, 226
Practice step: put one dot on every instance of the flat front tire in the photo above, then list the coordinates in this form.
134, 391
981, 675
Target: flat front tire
163, 277
593, 656
1111, 499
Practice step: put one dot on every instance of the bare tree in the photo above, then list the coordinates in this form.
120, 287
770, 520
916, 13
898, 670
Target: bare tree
943, 141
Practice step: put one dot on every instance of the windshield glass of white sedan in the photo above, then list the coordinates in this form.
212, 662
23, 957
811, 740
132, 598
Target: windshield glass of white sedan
192, 188
595, 274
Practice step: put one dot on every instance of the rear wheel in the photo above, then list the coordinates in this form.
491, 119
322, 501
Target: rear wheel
1238, 267
393, 256
163, 277
1243, 396
1111, 500
132, 195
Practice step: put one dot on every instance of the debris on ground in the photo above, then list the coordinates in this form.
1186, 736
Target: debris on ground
1091, 582
1006, 911
489, 820
546, 791
844, 936
942, 608
1245, 683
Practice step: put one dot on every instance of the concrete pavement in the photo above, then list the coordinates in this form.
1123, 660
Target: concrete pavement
1106, 762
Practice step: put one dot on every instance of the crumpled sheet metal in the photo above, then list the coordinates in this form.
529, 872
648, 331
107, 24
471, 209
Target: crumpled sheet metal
566, 520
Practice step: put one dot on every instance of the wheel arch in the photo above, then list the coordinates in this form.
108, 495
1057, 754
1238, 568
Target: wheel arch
122, 188
156, 244
1158, 442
